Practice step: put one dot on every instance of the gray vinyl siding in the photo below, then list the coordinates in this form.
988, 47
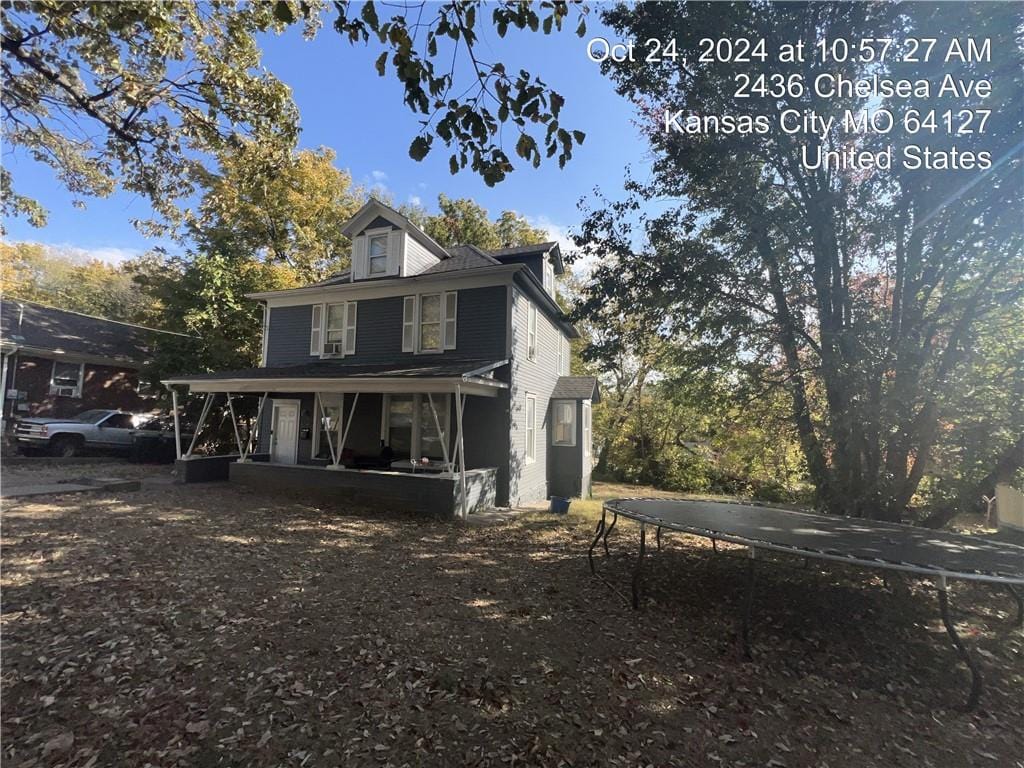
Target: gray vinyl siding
528, 481
480, 330
568, 468
417, 257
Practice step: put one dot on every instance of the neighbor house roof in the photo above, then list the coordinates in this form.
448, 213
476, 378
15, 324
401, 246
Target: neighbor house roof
36, 328
577, 388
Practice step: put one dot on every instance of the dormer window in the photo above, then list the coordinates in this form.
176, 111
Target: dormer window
378, 254
549, 276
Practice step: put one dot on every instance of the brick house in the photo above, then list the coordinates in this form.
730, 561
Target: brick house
59, 363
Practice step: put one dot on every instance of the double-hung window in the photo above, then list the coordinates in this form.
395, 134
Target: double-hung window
531, 332
377, 247
563, 424
66, 379
429, 322
333, 329
531, 428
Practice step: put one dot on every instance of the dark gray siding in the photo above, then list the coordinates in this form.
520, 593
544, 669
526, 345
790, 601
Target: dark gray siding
480, 330
568, 468
289, 335
534, 261
486, 424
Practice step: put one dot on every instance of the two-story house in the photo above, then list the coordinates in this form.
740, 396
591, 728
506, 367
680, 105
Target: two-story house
424, 377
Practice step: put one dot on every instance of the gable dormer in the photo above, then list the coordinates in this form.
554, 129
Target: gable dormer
387, 244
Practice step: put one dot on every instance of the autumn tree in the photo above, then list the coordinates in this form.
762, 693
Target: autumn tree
146, 95
286, 208
461, 221
63, 279
862, 292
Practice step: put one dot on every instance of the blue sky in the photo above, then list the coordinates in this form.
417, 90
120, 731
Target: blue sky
344, 105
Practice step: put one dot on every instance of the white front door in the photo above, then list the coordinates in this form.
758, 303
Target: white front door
284, 441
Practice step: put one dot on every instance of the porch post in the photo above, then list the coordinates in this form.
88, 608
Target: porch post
199, 426
462, 450
177, 422
327, 432
234, 423
348, 424
443, 437
250, 444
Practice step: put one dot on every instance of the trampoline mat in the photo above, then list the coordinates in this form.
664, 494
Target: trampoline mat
870, 542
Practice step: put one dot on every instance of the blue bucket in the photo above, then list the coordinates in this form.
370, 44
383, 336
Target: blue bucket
559, 506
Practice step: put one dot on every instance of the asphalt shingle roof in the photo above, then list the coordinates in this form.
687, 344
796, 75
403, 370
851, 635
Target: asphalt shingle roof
39, 327
576, 388
338, 369
523, 250
462, 257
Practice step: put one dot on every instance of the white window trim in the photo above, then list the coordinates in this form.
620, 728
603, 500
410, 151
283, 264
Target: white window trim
349, 321
531, 332
588, 428
440, 323
572, 423
316, 331
443, 404
414, 325
531, 429
77, 388
371, 235
266, 334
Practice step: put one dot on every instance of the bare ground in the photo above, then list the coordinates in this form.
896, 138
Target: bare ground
206, 625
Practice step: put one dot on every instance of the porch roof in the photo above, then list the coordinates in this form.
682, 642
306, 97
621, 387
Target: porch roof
427, 374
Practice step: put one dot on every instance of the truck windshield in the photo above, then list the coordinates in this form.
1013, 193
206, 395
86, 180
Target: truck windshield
92, 417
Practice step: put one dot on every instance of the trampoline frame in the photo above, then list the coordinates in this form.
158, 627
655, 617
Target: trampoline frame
941, 575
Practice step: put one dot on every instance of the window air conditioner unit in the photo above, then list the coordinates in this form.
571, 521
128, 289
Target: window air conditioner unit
65, 391
334, 349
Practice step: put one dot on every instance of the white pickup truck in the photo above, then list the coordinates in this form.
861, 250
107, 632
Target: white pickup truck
96, 429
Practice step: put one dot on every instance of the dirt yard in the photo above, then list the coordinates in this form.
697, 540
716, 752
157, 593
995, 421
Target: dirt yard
206, 626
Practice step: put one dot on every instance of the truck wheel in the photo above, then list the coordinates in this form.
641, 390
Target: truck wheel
65, 446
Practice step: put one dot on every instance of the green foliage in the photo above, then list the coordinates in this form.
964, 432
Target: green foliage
287, 208
463, 222
142, 95
63, 279
135, 94
469, 119
861, 296
204, 295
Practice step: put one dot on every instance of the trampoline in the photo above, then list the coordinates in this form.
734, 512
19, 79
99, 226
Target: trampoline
864, 543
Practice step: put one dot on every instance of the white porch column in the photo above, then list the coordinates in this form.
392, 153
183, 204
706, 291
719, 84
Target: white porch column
177, 422
459, 401
319, 408
250, 444
348, 424
199, 426
234, 423
442, 436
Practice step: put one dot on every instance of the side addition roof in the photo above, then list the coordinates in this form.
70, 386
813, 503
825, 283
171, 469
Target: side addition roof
577, 388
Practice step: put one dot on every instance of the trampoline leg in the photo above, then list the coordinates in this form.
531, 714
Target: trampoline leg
714, 546
1020, 604
976, 680
608, 530
590, 552
638, 573
748, 603
657, 535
